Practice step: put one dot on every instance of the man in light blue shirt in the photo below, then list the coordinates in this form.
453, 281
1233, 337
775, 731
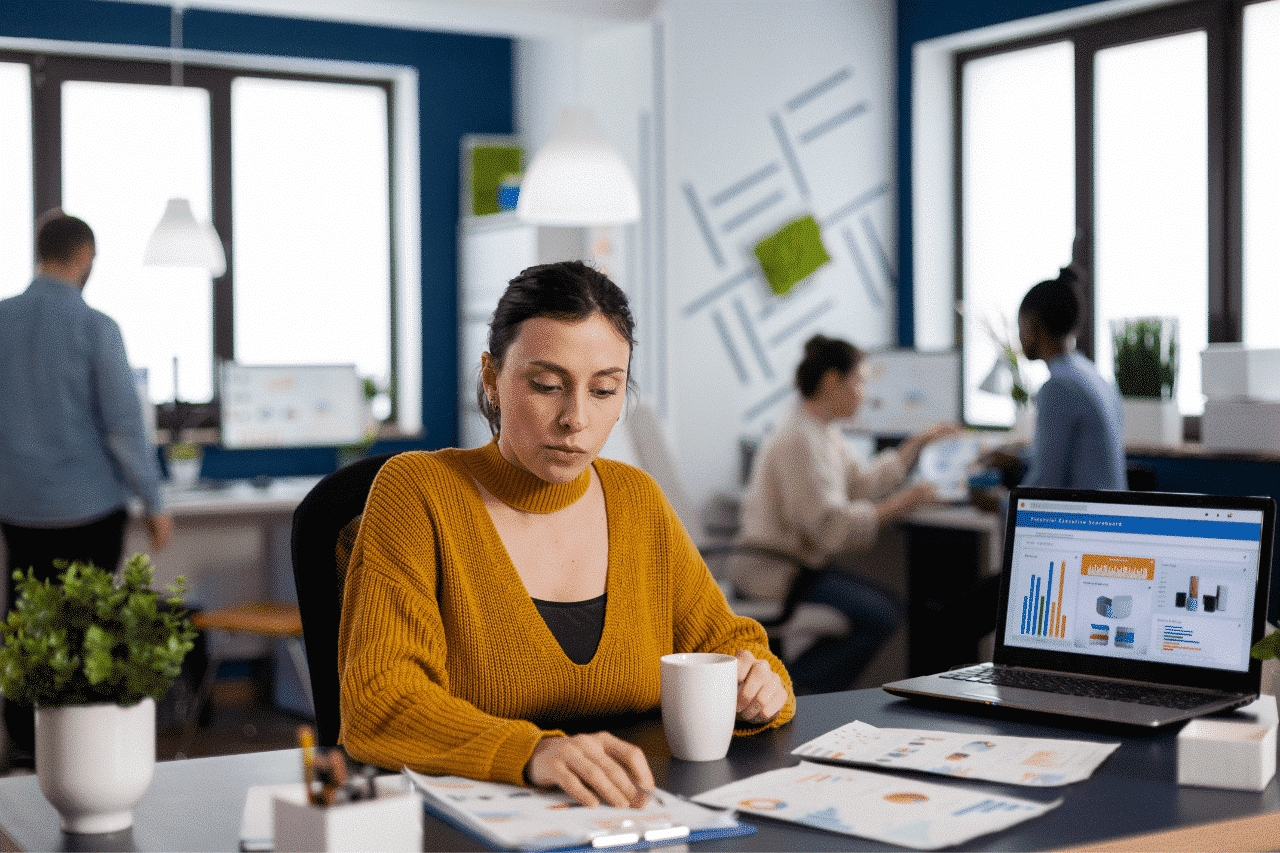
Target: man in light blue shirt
73, 448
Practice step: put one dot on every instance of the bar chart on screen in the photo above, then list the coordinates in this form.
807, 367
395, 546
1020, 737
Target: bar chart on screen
1044, 607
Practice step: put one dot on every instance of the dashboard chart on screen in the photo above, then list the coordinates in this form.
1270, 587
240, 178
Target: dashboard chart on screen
1159, 584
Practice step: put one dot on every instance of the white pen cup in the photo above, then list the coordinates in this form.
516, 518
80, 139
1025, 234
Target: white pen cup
699, 704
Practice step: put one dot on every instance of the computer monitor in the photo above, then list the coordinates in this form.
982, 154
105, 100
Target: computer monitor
905, 391
291, 405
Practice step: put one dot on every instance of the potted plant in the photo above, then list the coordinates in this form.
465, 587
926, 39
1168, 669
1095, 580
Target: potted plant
1146, 369
94, 655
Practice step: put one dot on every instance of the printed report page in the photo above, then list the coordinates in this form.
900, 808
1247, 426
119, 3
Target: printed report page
1160, 584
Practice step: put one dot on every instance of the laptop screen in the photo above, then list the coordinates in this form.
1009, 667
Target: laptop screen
1155, 580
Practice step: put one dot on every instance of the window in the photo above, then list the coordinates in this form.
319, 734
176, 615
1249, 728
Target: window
1019, 201
294, 171
15, 178
126, 149
309, 189
1151, 218
1261, 163
1176, 197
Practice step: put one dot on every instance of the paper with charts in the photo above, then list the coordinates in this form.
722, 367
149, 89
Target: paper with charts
1043, 762
517, 818
879, 806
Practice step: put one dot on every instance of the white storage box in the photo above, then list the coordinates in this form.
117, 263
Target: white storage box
392, 823
1234, 372
1237, 750
1241, 425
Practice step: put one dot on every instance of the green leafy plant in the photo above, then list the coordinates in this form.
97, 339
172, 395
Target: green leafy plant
86, 638
1266, 648
1146, 356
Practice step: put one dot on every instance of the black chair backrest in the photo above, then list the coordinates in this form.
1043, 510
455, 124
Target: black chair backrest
320, 517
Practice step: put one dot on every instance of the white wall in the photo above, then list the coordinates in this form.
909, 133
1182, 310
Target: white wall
747, 89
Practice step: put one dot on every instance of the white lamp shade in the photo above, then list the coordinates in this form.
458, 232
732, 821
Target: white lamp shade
1000, 379
180, 241
578, 178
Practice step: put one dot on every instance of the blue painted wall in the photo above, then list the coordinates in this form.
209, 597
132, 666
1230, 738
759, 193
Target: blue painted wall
464, 86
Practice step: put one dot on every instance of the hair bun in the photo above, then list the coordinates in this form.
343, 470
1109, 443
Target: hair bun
1068, 275
815, 345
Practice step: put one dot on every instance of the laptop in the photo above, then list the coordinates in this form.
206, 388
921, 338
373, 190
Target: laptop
1137, 608
948, 463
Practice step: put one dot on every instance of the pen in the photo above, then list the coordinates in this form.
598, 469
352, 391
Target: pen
307, 740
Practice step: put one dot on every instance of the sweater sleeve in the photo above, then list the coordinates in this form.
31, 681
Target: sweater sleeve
875, 481
117, 401
703, 621
397, 708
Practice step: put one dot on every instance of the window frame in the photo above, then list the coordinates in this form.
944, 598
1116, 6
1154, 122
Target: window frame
49, 70
1222, 21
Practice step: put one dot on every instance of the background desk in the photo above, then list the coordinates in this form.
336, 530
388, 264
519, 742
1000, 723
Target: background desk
231, 543
196, 804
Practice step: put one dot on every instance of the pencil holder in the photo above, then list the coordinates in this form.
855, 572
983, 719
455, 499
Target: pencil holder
391, 822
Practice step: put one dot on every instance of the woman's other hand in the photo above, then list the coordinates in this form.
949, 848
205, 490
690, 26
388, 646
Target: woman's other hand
592, 768
761, 693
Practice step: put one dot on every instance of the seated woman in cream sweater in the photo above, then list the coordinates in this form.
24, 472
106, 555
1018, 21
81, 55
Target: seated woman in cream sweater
811, 498
497, 595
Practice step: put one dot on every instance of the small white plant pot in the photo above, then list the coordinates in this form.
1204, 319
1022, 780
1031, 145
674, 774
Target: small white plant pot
94, 762
1152, 422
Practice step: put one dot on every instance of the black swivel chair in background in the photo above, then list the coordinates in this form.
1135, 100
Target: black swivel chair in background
318, 521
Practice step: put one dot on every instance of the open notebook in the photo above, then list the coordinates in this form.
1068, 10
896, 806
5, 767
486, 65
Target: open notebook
1131, 607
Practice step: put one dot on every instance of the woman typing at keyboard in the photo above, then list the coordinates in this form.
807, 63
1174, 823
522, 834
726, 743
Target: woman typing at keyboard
497, 595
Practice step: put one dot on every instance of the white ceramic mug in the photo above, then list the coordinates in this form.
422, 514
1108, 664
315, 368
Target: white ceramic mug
699, 704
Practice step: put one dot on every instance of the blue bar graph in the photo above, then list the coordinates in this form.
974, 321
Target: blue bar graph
1039, 616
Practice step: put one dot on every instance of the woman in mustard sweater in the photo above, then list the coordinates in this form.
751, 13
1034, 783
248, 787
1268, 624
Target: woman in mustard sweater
499, 594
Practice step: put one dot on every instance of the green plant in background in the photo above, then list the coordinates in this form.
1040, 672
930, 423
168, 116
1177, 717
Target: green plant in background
84, 638
1268, 647
1146, 356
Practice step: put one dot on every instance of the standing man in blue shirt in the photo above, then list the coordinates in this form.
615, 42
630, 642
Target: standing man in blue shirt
73, 448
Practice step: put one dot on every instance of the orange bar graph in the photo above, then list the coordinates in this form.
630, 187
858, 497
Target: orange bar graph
1060, 625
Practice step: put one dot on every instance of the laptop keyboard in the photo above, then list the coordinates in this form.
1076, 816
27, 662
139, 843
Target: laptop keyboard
1074, 686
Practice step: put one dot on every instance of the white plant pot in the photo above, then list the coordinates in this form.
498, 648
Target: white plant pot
94, 762
1150, 422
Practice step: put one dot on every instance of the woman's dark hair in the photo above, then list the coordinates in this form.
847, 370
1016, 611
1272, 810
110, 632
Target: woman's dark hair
566, 290
822, 354
1055, 303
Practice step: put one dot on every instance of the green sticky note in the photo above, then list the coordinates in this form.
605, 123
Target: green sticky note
489, 165
792, 254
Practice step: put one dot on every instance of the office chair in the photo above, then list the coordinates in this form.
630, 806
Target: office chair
792, 625
270, 619
324, 517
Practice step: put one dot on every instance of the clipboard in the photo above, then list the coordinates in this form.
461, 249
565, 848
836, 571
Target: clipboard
510, 817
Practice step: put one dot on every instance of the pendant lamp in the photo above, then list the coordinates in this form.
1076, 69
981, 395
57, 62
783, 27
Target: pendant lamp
578, 179
1000, 379
179, 240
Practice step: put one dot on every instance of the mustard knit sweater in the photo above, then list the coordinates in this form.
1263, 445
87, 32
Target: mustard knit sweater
445, 663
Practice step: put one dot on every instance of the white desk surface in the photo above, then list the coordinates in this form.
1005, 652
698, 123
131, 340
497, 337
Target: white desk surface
237, 497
